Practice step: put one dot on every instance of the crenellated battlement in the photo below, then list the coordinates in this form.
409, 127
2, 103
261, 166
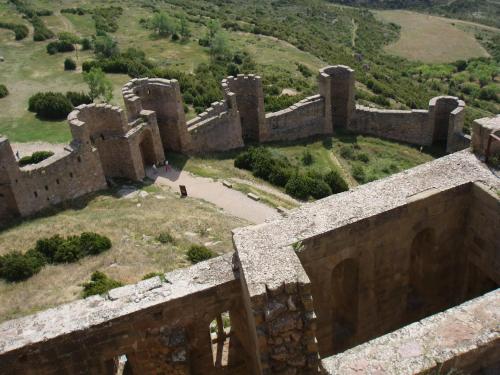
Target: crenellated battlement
154, 123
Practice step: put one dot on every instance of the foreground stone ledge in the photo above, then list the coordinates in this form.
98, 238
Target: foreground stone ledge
93, 311
465, 338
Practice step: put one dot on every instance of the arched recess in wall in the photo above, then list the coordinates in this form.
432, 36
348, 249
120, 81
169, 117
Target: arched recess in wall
147, 150
344, 293
424, 273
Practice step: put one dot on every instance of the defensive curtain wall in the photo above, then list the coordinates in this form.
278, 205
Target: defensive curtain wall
398, 276
107, 142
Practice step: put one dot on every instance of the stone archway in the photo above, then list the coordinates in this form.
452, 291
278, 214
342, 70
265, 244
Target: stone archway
424, 275
344, 287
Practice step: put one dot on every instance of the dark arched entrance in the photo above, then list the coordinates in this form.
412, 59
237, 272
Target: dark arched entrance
344, 286
147, 150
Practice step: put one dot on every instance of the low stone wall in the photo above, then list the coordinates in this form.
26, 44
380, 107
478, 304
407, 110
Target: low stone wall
405, 126
301, 120
216, 129
464, 339
74, 172
159, 326
481, 131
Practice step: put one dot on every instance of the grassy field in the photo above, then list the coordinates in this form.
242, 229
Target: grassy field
384, 158
132, 225
29, 69
430, 39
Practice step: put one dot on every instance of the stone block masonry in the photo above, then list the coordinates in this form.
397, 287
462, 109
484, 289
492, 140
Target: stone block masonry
113, 143
397, 276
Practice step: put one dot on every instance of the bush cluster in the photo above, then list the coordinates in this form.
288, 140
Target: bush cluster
3, 91
69, 64
99, 283
35, 158
15, 266
60, 46
20, 31
78, 11
106, 19
41, 31
55, 105
50, 105
165, 237
198, 253
279, 171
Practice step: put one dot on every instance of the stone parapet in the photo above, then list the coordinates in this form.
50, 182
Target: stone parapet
481, 131
463, 339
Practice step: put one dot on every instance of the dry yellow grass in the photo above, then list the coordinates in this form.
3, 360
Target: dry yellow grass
430, 39
135, 251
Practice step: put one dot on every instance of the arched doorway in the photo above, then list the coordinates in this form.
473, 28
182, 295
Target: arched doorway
424, 275
344, 284
147, 150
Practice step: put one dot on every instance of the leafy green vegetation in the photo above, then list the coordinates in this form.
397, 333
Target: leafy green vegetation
20, 31
35, 158
50, 105
69, 64
99, 283
298, 182
198, 253
15, 266
3, 91
166, 238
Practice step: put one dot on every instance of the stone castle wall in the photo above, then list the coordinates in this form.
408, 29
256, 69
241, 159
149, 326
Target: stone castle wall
65, 176
249, 94
301, 120
216, 129
284, 280
155, 123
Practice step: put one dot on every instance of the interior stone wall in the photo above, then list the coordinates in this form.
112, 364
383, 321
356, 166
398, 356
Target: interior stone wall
378, 274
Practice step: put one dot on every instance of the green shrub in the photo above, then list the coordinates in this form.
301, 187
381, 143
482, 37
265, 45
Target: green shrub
198, 253
15, 266
69, 251
244, 161
363, 156
336, 182
347, 152
41, 32
60, 46
165, 237
86, 44
50, 105
280, 176
78, 98
69, 64
318, 188
35, 158
307, 157
298, 186
359, 174
3, 91
48, 246
99, 283
93, 243
20, 31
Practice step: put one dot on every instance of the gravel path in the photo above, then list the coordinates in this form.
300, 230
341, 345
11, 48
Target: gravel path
232, 201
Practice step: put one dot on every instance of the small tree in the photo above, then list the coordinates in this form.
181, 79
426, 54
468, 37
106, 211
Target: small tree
184, 29
100, 86
105, 46
162, 24
69, 64
219, 47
